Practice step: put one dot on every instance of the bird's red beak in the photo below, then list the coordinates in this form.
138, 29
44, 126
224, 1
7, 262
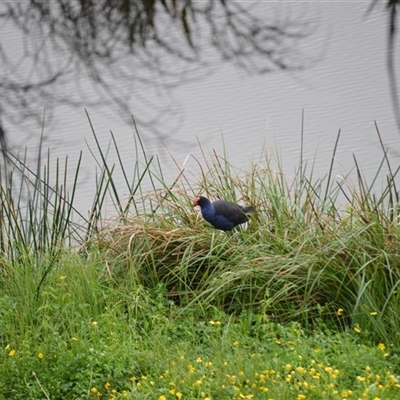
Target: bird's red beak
196, 201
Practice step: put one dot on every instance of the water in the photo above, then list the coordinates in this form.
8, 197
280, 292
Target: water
345, 89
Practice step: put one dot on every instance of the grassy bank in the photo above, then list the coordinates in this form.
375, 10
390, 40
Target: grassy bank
88, 336
156, 304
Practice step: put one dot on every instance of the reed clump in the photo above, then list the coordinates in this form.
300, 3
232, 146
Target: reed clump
315, 250
302, 256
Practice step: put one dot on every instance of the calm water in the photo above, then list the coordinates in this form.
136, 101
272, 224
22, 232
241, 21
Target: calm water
347, 90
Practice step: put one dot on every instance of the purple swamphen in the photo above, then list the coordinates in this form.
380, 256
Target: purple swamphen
222, 214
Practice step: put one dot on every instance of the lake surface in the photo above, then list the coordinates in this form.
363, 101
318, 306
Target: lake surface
259, 116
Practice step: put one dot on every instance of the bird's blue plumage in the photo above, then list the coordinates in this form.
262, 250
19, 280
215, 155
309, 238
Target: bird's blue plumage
222, 214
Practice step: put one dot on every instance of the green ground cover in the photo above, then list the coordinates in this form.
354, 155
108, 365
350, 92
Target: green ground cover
156, 304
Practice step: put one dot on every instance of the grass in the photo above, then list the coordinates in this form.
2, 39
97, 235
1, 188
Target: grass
87, 337
156, 304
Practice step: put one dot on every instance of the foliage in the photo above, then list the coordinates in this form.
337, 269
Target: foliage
155, 303
88, 336
302, 257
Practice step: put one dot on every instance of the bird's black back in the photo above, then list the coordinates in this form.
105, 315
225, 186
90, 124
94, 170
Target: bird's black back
232, 212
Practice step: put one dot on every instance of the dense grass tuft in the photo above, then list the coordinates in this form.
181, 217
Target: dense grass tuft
301, 258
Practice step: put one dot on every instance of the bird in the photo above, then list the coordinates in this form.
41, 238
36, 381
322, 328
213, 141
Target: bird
221, 214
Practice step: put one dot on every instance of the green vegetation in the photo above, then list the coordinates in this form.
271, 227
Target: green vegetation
156, 304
